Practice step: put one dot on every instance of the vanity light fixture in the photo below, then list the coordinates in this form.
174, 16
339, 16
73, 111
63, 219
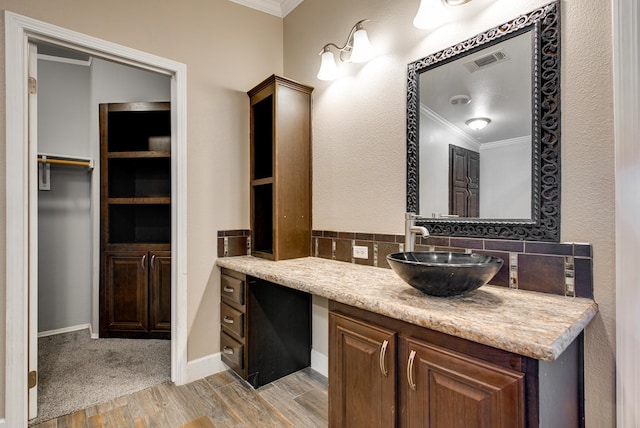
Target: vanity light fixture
356, 49
478, 123
432, 13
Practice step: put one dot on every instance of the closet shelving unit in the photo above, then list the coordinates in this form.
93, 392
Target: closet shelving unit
135, 188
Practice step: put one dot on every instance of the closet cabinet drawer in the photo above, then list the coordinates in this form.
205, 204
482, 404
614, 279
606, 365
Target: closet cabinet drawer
232, 289
232, 352
232, 321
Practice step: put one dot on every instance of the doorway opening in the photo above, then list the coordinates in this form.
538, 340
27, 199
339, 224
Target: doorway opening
21, 189
70, 87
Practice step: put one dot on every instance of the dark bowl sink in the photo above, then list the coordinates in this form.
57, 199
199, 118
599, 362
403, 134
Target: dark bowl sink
444, 274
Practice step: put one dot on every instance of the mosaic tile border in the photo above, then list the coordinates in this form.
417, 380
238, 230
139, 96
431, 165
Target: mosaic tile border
234, 242
564, 269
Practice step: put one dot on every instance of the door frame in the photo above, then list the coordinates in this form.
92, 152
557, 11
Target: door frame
18, 31
626, 109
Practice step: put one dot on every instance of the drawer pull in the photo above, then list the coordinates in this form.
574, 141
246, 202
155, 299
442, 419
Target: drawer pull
228, 289
228, 320
143, 262
412, 384
383, 353
228, 350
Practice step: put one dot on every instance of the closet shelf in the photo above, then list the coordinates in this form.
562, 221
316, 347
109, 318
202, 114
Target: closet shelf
262, 181
139, 154
139, 201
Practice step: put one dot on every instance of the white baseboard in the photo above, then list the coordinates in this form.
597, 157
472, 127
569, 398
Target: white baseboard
68, 330
320, 363
212, 364
2, 422
205, 366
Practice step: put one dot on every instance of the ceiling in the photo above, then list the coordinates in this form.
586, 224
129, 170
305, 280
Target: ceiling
280, 8
500, 91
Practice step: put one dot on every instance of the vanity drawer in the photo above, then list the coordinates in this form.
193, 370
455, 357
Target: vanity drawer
232, 289
232, 352
232, 320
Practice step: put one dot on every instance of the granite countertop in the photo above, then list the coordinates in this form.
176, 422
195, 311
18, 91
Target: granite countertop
535, 325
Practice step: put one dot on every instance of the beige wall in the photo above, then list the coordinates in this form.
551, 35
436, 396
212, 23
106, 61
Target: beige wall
358, 126
228, 49
359, 134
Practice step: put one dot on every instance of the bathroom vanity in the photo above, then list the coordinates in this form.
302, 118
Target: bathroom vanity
497, 357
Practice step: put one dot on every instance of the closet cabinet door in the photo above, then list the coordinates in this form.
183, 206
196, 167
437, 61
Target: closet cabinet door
124, 294
160, 293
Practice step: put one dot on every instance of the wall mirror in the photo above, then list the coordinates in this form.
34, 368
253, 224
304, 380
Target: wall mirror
501, 180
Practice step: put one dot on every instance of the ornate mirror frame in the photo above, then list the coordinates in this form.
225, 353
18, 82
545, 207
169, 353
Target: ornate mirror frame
544, 224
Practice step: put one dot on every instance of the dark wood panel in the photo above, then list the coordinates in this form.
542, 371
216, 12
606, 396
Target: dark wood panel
232, 288
278, 331
160, 293
360, 393
124, 294
445, 389
232, 321
464, 182
232, 353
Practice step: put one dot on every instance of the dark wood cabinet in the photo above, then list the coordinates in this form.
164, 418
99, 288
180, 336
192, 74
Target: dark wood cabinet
362, 374
464, 182
160, 292
265, 328
440, 381
135, 220
442, 388
136, 295
280, 143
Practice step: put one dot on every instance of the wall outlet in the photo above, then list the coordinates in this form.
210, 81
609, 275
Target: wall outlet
360, 252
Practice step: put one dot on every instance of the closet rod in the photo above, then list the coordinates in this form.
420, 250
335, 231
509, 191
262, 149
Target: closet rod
64, 160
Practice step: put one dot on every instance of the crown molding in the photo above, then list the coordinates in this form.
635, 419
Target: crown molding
279, 8
450, 126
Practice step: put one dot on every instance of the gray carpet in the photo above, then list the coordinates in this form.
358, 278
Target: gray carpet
76, 371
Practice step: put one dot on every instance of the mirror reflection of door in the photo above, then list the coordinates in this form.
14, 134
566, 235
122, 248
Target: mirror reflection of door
464, 182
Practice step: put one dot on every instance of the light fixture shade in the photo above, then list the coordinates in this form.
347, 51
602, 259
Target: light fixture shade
430, 14
478, 123
328, 68
362, 50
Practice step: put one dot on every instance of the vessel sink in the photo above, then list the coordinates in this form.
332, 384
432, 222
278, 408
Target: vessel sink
444, 274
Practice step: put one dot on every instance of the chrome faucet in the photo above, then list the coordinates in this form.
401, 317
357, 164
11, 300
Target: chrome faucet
411, 230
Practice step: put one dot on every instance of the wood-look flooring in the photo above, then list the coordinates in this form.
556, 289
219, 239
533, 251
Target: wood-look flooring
221, 400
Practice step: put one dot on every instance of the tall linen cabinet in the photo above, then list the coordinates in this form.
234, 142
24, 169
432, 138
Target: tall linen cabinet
280, 169
135, 220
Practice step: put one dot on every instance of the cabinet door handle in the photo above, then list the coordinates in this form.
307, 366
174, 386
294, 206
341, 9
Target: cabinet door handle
227, 350
153, 261
228, 289
143, 262
412, 384
228, 320
383, 353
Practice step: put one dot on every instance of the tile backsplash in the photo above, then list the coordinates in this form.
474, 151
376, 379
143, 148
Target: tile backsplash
558, 268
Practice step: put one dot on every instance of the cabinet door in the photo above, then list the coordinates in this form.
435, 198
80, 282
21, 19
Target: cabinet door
362, 360
443, 389
124, 300
160, 293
